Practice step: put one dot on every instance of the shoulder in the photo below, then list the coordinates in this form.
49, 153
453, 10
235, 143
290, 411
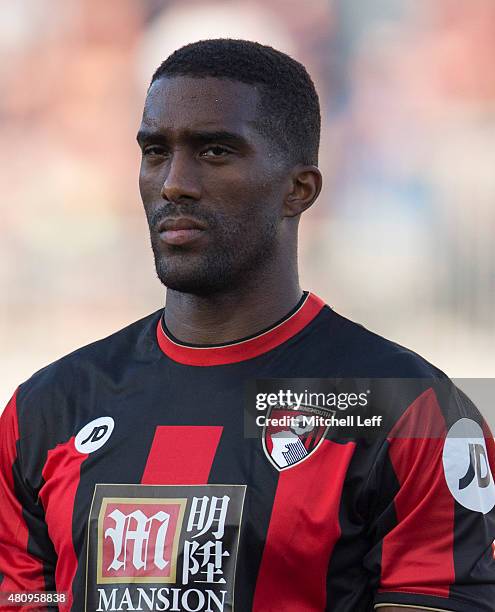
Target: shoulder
107, 358
362, 352
415, 396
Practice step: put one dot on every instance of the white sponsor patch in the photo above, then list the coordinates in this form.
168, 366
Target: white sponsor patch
467, 471
94, 435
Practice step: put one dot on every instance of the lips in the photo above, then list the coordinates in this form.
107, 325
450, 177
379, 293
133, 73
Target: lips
180, 230
180, 223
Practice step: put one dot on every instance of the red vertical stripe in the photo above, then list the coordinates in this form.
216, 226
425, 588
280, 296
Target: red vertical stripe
303, 530
22, 571
417, 555
62, 473
182, 455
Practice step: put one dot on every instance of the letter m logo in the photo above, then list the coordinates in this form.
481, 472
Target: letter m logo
138, 539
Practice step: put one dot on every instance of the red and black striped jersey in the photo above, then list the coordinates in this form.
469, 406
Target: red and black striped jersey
128, 482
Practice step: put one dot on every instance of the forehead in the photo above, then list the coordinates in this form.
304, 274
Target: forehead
183, 103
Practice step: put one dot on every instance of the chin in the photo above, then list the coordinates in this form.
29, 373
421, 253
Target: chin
210, 272
193, 286
197, 280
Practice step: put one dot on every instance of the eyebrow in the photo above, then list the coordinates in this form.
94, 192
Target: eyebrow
195, 137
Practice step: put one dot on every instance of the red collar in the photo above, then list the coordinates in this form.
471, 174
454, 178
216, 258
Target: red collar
243, 349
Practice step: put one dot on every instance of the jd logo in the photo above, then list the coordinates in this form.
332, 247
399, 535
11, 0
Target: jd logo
94, 435
97, 434
467, 468
477, 462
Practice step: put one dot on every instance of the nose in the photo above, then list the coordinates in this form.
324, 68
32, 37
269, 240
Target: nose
181, 181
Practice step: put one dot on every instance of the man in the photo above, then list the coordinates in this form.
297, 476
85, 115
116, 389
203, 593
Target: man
128, 479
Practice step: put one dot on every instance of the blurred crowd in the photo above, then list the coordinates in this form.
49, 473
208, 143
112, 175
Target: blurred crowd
401, 238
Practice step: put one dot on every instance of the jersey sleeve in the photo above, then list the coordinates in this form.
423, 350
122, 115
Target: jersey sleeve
26, 553
433, 521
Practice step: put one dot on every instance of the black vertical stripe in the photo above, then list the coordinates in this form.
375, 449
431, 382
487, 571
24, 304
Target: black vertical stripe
129, 447
252, 468
366, 514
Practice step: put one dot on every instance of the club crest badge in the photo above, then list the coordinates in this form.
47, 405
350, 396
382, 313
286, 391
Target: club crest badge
292, 434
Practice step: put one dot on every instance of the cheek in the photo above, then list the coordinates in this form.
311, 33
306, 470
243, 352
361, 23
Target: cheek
243, 192
142, 182
149, 187
262, 200
256, 215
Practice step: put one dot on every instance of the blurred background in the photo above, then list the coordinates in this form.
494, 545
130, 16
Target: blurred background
402, 238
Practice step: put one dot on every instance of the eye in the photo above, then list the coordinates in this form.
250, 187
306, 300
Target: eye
154, 150
215, 151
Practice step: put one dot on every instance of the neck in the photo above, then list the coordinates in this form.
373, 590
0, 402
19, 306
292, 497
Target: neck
234, 314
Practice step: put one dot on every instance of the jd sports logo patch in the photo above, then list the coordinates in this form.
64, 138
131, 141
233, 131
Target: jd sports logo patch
94, 435
466, 466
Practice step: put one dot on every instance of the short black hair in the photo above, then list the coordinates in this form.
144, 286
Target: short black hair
289, 113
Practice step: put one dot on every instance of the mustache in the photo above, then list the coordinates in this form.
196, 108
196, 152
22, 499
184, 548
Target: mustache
166, 211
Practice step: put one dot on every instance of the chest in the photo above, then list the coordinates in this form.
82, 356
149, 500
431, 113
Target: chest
123, 508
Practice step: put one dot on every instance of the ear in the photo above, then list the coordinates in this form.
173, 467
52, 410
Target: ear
305, 187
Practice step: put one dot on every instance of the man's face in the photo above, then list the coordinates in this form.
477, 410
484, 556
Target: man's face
211, 185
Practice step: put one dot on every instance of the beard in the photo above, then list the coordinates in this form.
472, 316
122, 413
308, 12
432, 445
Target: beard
237, 248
